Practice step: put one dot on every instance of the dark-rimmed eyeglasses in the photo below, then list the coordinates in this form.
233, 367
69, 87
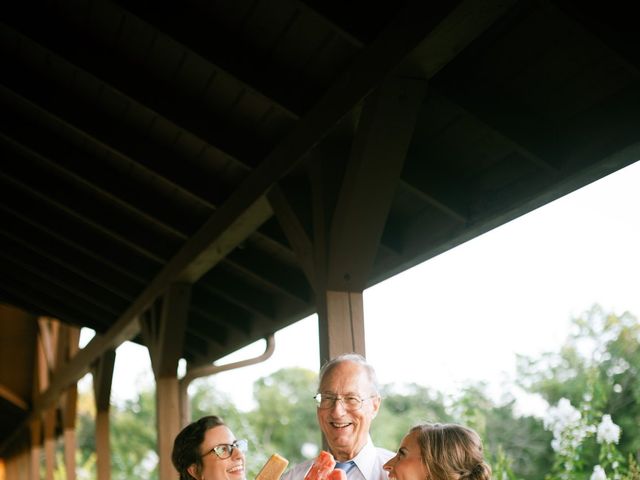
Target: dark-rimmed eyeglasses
349, 402
224, 450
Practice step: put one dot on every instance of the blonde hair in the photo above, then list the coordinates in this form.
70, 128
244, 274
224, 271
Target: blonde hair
451, 452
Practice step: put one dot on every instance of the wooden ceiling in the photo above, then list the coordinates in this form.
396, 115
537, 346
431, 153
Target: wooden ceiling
145, 143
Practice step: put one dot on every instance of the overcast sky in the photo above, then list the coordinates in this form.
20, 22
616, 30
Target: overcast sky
463, 315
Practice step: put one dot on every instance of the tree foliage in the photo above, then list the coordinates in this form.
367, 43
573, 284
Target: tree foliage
598, 366
402, 407
285, 418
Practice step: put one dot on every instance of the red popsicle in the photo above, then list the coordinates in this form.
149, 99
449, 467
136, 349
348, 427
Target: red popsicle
322, 467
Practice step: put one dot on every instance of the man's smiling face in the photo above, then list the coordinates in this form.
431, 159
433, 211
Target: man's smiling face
346, 431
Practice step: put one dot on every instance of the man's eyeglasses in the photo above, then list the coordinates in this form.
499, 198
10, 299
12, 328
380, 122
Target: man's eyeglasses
349, 402
224, 450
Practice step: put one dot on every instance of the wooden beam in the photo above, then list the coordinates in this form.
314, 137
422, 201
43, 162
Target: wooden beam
375, 164
433, 200
83, 217
294, 230
48, 339
164, 332
102, 378
12, 397
427, 28
41, 373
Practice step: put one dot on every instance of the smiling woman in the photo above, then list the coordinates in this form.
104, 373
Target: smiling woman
438, 451
207, 450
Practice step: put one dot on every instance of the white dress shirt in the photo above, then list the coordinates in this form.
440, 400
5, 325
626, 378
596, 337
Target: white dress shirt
369, 462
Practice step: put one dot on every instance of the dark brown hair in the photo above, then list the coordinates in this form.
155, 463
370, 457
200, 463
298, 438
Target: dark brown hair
186, 446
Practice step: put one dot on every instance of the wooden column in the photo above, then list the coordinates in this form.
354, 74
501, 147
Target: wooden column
70, 404
163, 328
168, 422
49, 442
352, 192
341, 316
18, 466
102, 378
70, 446
44, 364
35, 430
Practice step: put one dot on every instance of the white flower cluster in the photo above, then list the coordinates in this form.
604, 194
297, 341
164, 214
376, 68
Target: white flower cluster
598, 473
568, 427
608, 432
618, 367
562, 416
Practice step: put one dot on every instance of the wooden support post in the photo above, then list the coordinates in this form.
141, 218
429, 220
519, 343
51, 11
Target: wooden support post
69, 410
18, 466
341, 320
50, 442
168, 423
163, 330
352, 192
102, 377
103, 447
70, 446
35, 428
43, 364
70, 403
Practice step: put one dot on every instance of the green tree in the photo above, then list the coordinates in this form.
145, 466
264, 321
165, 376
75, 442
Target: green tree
133, 438
513, 442
522, 440
404, 406
285, 418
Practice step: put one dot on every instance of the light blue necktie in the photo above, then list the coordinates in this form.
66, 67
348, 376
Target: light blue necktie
346, 466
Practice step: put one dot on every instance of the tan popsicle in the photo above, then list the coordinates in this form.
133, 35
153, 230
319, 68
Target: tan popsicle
273, 469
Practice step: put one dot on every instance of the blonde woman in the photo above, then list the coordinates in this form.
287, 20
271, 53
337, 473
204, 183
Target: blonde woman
434, 451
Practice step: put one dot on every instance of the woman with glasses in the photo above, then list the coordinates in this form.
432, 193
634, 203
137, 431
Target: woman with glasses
436, 451
207, 450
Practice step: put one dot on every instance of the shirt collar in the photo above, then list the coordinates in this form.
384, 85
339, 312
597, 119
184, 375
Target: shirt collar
365, 459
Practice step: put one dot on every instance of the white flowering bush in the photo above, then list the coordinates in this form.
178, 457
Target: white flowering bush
593, 387
572, 430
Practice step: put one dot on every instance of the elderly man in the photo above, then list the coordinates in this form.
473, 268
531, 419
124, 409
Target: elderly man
347, 401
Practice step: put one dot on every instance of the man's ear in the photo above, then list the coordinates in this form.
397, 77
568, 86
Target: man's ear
375, 403
194, 471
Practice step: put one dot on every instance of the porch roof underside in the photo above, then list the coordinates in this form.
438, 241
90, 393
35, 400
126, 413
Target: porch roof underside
142, 142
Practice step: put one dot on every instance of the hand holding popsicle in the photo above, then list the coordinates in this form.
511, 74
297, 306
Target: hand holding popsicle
323, 468
273, 469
